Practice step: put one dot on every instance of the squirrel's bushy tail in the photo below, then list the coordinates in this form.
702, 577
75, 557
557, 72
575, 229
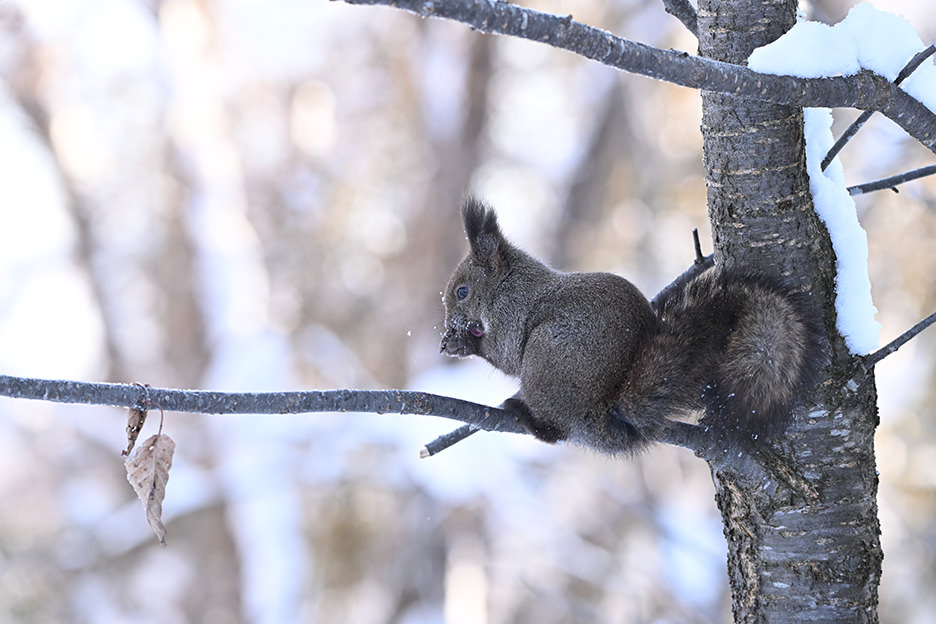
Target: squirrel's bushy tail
764, 349
772, 355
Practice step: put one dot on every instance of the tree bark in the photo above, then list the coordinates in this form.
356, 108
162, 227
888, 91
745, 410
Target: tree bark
813, 555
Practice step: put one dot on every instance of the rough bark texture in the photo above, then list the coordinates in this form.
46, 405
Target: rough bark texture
811, 554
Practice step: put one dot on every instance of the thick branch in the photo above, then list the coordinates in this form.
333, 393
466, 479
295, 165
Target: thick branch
864, 90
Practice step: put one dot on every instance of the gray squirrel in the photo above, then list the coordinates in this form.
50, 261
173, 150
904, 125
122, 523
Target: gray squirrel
600, 367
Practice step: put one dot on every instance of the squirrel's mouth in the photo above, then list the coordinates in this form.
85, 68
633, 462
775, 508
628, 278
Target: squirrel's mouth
463, 341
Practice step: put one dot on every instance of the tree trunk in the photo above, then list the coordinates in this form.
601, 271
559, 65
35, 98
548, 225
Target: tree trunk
795, 553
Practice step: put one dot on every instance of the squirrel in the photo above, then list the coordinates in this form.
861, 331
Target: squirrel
601, 367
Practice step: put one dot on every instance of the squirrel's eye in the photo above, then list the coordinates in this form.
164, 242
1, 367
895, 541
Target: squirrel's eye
461, 292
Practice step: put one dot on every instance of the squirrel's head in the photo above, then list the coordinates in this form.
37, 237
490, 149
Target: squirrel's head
469, 294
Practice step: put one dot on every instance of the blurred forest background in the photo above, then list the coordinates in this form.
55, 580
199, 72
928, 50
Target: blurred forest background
263, 195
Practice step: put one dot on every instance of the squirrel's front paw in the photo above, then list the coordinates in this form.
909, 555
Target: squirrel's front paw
543, 430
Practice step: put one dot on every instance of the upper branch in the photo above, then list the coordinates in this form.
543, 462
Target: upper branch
864, 90
684, 12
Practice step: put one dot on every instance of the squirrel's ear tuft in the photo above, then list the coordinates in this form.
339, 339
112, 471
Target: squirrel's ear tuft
484, 234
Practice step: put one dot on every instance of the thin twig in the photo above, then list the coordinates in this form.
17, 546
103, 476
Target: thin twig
700, 265
893, 181
871, 359
684, 12
850, 132
443, 442
699, 258
915, 62
856, 125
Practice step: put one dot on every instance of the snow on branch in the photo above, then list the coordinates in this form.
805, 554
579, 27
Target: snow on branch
862, 90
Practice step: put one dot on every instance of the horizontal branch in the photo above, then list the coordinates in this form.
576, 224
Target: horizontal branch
864, 90
892, 181
209, 402
366, 401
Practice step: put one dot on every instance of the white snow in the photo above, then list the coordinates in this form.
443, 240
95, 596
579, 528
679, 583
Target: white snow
809, 50
854, 307
866, 39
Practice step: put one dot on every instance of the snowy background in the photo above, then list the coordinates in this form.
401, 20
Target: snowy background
247, 195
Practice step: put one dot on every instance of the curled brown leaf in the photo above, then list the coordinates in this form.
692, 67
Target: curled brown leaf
148, 473
135, 419
136, 416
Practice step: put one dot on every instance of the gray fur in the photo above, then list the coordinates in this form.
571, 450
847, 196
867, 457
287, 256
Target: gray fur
598, 367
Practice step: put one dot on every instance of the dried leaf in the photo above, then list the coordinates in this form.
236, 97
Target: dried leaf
148, 473
135, 419
136, 416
